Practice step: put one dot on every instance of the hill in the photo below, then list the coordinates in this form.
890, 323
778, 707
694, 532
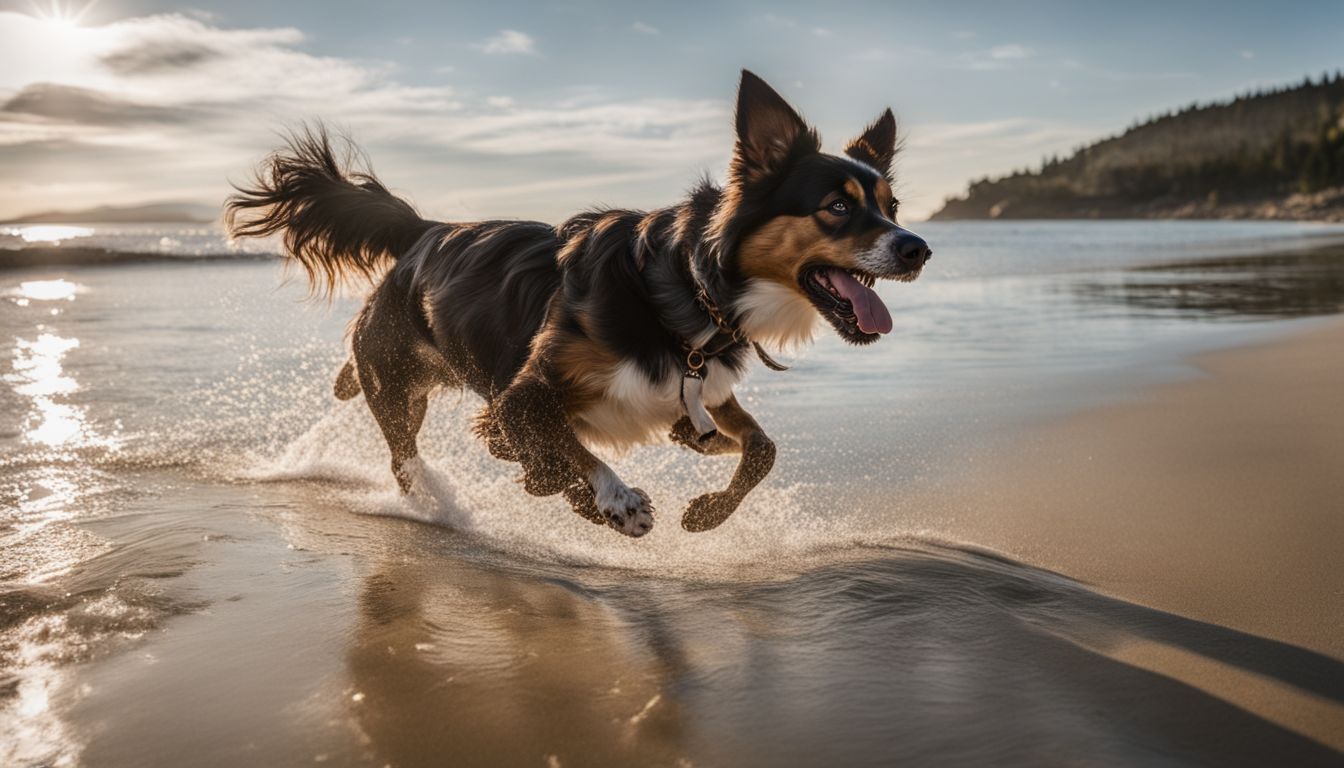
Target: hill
1276, 153
159, 213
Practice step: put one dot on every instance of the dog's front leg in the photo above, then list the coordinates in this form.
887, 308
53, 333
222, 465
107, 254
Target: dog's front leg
758, 456
531, 415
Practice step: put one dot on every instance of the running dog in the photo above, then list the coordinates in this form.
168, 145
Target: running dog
616, 327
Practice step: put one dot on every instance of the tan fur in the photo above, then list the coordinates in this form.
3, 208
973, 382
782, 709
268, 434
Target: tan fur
855, 191
779, 249
884, 198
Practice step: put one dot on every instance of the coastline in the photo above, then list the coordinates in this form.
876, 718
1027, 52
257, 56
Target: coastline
1324, 207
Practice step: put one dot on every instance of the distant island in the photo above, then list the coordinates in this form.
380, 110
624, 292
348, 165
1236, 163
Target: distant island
159, 213
1271, 154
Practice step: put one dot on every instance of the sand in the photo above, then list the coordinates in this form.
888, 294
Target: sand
1219, 498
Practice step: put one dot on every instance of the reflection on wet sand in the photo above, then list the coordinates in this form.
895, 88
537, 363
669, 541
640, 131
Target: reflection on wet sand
925, 655
1295, 284
454, 664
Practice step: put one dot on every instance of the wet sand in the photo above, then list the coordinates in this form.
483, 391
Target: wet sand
1219, 498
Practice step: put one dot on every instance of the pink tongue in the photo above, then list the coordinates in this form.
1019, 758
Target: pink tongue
872, 314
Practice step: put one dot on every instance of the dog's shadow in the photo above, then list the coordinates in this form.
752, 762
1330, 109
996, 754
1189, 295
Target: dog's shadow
923, 656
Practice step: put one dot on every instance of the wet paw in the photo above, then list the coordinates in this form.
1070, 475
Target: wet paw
628, 510
709, 511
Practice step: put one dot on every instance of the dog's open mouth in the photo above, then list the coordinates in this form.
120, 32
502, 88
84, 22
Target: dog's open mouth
847, 300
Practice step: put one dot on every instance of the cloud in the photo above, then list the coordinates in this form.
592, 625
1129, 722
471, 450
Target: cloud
64, 103
822, 32
508, 42
1004, 52
645, 29
996, 58
104, 114
142, 57
1248, 55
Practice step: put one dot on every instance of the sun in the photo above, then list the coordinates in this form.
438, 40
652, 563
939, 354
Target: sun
62, 15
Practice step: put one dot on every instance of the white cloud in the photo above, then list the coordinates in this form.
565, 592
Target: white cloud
822, 32
1003, 52
644, 29
169, 105
1247, 54
998, 57
508, 42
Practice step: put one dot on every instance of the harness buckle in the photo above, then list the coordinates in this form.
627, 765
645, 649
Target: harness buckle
695, 360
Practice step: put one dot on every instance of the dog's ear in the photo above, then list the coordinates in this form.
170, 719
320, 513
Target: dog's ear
877, 146
770, 134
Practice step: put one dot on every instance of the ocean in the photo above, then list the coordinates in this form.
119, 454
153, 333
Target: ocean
204, 559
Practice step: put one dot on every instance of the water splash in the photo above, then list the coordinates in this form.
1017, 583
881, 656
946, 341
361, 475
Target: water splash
459, 486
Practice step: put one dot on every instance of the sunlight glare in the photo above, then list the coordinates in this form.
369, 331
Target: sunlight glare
47, 290
49, 233
61, 15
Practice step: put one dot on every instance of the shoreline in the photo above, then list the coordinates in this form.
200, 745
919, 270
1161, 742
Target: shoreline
1216, 497
1251, 443
86, 256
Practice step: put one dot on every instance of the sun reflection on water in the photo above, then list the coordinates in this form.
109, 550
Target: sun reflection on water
38, 375
52, 234
47, 290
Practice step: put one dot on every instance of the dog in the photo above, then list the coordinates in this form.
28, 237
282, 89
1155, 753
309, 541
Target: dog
615, 328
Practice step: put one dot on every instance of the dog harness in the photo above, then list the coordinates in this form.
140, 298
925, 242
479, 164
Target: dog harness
693, 376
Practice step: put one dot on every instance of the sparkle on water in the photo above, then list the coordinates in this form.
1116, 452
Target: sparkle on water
48, 233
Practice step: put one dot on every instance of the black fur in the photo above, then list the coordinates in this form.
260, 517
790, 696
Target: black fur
337, 219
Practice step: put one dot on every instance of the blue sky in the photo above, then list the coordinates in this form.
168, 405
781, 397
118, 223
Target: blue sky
539, 110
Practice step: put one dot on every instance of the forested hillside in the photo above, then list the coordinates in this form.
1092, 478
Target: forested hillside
1269, 154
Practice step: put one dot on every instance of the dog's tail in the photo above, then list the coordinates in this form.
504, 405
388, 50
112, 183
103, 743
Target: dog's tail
338, 219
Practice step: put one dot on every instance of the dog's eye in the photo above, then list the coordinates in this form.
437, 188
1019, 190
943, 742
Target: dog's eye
839, 208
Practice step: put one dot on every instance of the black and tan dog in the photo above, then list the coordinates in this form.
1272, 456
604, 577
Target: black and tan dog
613, 328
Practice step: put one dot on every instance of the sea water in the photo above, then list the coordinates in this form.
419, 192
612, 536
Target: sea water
204, 559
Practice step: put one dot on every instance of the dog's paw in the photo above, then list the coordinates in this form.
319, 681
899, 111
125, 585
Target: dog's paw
709, 511
626, 509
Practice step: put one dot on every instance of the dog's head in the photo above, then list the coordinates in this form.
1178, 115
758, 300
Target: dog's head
802, 233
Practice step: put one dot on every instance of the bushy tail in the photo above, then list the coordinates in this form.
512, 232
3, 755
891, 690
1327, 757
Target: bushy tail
338, 219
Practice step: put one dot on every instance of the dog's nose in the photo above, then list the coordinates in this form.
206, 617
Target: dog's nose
912, 250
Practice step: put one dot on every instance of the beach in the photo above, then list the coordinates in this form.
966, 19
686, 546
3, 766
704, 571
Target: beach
1219, 498
1082, 507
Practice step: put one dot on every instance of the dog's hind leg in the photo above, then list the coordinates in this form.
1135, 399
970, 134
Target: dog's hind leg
758, 457
395, 375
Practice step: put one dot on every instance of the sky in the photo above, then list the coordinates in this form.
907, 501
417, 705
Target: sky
540, 110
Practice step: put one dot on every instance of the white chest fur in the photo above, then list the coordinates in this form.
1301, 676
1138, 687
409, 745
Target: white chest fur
635, 410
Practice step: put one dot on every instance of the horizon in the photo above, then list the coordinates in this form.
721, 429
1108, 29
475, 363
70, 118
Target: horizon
541, 113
